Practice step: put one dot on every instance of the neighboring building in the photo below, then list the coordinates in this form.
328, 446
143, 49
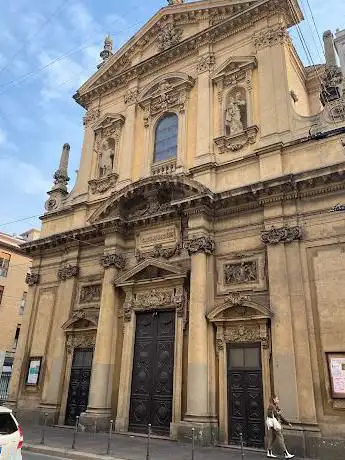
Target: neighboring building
14, 266
340, 46
196, 266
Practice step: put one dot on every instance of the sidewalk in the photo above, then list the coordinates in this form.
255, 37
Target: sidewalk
58, 442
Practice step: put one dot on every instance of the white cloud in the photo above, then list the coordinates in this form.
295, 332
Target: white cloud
25, 177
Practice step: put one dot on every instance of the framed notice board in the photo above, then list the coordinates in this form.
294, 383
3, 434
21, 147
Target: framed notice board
34, 370
336, 366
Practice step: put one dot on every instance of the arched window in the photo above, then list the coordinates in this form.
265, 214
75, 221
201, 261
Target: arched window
166, 138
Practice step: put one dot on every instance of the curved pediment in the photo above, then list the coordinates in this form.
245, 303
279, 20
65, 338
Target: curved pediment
238, 305
149, 197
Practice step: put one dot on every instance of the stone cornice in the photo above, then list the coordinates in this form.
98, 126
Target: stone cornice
112, 76
303, 185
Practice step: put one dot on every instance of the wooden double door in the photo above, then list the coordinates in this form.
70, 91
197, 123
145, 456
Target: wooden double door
245, 395
78, 394
153, 370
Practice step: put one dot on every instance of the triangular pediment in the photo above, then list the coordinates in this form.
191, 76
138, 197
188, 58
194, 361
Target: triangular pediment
108, 120
172, 28
235, 64
150, 269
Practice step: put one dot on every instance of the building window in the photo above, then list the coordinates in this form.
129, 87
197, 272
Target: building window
16, 338
1, 293
22, 303
166, 138
4, 263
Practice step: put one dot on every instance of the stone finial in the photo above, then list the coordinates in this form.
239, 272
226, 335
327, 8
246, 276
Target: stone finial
107, 51
59, 190
175, 2
328, 40
61, 175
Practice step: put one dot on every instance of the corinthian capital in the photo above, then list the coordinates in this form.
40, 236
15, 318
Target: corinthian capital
200, 244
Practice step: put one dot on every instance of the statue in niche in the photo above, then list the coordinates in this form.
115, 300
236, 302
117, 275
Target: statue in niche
236, 113
106, 157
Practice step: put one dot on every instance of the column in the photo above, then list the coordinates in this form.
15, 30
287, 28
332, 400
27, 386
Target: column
126, 154
283, 350
198, 393
204, 141
20, 364
99, 408
56, 357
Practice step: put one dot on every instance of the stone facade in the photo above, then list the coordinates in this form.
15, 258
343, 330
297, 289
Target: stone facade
228, 244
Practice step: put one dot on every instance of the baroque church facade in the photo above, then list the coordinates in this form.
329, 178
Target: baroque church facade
196, 267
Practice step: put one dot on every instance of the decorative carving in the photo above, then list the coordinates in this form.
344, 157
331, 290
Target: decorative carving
243, 333
154, 299
80, 340
237, 141
113, 260
236, 112
220, 344
281, 235
91, 293
91, 116
169, 93
68, 271
200, 244
241, 273
206, 63
236, 298
103, 184
168, 36
270, 37
32, 279
131, 96
106, 157
159, 251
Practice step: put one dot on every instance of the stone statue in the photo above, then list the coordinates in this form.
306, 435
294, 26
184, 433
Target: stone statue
106, 158
233, 119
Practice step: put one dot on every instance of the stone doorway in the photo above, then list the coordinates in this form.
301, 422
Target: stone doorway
153, 372
78, 393
245, 394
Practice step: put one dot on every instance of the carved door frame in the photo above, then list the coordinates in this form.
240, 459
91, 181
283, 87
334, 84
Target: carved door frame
253, 329
158, 295
76, 339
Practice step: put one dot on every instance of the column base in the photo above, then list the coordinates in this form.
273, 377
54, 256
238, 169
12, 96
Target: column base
205, 430
49, 414
95, 420
121, 425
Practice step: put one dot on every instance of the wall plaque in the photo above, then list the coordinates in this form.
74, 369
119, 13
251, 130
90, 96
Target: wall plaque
150, 238
336, 366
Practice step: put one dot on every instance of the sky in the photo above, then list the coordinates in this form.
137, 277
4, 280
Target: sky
48, 50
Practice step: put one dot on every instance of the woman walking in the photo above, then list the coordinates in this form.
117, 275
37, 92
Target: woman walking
274, 422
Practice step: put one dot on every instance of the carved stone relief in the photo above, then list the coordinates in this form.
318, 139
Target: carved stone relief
200, 244
131, 96
90, 294
270, 37
281, 235
68, 271
235, 112
32, 279
158, 298
91, 117
80, 340
103, 184
242, 333
168, 36
241, 273
206, 63
113, 260
159, 251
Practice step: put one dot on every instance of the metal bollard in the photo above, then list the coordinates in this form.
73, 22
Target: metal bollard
242, 449
44, 429
193, 442
109, 437
148, 443
75, 432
